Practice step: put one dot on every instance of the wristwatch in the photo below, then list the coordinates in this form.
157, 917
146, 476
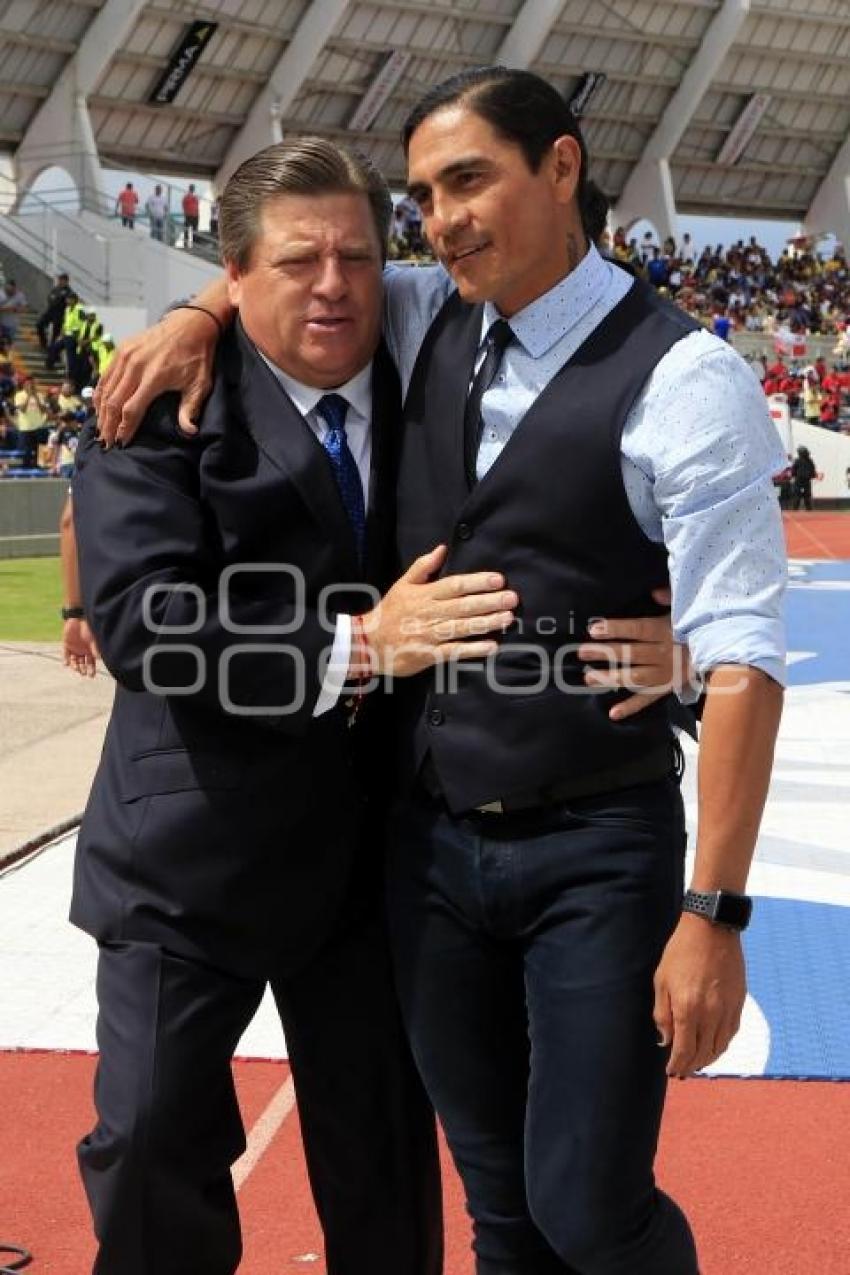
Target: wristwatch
73, 613
720, 907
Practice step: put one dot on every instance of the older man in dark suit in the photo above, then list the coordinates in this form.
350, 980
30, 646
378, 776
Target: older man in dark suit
227, 842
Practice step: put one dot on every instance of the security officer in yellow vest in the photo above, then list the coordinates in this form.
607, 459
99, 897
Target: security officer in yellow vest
72, 324
85, 365
103, 352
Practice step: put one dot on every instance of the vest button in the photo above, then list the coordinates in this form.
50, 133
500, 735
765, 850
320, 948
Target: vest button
464, 531
436, 717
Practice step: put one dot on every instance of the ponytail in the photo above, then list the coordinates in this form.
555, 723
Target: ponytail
594, 207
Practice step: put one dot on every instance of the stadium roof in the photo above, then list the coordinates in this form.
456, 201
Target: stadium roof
769, 80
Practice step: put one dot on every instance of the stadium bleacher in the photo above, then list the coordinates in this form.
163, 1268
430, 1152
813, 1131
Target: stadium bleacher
46, 386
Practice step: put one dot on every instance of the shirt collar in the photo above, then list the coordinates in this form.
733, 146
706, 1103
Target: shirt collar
544, 321
357, 392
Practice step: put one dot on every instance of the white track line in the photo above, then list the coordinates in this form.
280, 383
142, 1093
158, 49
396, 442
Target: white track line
799, 525
262, 1135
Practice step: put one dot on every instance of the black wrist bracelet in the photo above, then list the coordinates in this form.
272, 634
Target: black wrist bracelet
73, 613
202, 310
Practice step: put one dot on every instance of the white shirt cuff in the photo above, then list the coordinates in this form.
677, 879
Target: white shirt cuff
336, 673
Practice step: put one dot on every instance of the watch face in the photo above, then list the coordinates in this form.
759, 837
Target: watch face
733, 910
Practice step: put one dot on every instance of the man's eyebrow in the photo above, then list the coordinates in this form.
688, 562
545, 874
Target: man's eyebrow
304, 247
450, 170
295, 247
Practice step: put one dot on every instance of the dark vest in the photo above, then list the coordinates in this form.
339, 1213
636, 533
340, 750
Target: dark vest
551, 514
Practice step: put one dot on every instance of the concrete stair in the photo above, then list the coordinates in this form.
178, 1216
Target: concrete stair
28, 356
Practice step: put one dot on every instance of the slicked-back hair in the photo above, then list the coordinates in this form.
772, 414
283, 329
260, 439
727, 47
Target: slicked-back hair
522, 108
296, 166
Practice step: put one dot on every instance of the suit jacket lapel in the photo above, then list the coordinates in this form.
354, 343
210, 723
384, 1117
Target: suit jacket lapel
288, 442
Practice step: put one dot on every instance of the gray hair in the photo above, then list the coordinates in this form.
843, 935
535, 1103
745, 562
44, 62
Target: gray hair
296, 166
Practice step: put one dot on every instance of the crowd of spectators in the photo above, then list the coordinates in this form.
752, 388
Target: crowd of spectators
738, 289
801, 292
817, 392
40, 423
741, 288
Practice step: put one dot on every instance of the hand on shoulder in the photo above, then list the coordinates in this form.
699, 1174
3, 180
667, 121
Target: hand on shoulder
176, 354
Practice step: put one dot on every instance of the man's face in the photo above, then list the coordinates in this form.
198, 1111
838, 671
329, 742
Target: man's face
311, 296
504, 233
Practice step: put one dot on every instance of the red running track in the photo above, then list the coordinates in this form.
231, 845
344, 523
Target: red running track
817, 535
760, 1166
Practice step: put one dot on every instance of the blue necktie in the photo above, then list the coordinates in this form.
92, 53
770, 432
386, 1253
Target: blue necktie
333, 408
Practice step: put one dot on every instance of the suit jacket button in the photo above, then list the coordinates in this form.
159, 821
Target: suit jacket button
464, 531
436, 717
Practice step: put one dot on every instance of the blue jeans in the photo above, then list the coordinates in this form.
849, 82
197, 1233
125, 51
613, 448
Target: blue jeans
525, 948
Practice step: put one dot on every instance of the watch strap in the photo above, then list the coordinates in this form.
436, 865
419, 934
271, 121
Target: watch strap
700, 904
73, 613
720, 907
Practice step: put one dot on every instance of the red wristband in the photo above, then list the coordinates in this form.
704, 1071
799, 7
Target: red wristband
361, 666
362, 662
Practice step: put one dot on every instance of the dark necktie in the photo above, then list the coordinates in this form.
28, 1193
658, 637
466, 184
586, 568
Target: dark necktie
498, 338
333, 408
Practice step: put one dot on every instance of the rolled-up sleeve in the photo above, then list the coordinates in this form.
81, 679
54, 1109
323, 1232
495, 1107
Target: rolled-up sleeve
710, 452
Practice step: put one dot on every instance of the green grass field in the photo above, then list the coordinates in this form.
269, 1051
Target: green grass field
30, 598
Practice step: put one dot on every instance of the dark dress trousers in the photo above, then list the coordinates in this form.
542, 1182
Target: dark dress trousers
526, 934
230, 837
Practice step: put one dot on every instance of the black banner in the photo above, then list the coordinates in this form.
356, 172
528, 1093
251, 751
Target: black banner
194, 40
584, 90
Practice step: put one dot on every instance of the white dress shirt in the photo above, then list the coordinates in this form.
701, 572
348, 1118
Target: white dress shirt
358, 421
358, 428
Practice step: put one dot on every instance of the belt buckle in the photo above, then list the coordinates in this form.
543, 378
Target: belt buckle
491, 808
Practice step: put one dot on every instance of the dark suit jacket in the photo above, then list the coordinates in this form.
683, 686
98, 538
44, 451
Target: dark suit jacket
224, 817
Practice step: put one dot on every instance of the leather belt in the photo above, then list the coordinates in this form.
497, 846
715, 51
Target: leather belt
657, 764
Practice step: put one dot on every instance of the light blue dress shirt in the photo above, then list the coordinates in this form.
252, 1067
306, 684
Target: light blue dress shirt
698, 452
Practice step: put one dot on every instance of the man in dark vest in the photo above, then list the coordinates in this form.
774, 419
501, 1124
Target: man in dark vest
229, 840
566, 424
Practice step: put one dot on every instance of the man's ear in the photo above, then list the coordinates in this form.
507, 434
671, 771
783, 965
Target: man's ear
566, 167
233, 279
